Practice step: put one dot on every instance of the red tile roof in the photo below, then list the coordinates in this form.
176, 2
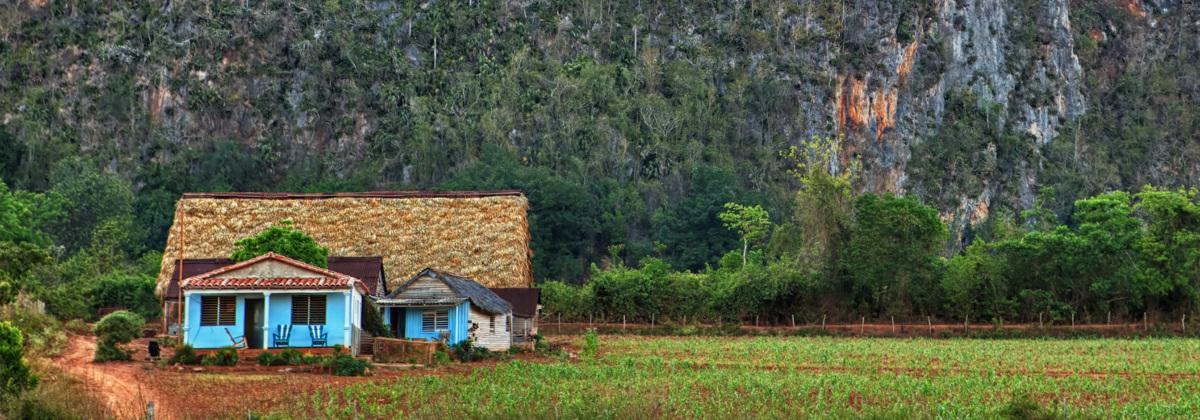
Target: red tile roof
329, 279
367, 269
268, 283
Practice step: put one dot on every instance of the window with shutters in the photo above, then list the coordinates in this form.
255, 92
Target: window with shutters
492, 324
433, 320
308, 310
218, 310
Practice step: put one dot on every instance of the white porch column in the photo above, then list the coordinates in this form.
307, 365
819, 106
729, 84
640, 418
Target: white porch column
183, 324
266, 320
346, 334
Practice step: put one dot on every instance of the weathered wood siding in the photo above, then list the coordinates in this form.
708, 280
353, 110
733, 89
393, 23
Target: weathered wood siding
498, 338
427, 288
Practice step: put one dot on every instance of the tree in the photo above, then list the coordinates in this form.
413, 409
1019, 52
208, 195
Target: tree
284, 240
750, 222
974, 284
132, 291
14, 369
1170, 250
90, 197
893, 254
690, 229
824, 203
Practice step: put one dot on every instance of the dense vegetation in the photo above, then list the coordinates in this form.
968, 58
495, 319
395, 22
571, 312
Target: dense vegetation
1118, 256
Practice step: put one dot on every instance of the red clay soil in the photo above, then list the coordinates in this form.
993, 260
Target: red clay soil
188, 392
117, 383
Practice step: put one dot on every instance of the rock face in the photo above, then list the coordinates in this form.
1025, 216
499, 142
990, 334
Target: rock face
972, 104
962, 46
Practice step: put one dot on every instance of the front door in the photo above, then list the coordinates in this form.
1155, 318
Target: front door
254, 323
398, 321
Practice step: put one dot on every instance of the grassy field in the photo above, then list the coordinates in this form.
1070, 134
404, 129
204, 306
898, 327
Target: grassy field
776, 377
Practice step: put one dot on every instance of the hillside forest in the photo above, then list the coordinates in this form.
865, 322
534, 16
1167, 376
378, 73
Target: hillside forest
991, 160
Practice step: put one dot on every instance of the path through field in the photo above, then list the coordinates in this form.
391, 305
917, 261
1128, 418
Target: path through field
117, 383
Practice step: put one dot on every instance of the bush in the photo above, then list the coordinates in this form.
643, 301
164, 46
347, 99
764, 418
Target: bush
184, 355
266, 359
113, 330
1023, 407
345, 365
466, 351
440, 358
108, 351
226, 356
120, 327
290, 357
14, 369
591, 344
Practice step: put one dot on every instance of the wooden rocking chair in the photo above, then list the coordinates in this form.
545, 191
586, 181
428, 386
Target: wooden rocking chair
238, 342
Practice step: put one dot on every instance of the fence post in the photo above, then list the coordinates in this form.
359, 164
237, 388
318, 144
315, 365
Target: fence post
1072, 320
1039, 320
1183, 324
1109, 319
793, 320
559, 323
652, 316
822, 322
862, 326
893, 324
150, 410
1145, 322
929, 319
622, 322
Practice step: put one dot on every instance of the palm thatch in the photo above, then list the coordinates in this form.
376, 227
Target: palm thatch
482, 235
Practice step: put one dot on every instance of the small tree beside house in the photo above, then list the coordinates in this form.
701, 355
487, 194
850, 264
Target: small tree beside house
282, 239
113, 330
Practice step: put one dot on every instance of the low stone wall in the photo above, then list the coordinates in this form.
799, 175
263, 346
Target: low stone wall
392, 350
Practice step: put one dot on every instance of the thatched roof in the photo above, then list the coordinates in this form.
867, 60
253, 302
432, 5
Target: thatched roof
483, 235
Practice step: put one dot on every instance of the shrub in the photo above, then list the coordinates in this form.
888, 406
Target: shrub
466, 351
120, 326
345, 365
440, 358
266, 359
184, 355
290, 357
108, 351
1024, 407
14, 369
113, 330
226, 356
591, 344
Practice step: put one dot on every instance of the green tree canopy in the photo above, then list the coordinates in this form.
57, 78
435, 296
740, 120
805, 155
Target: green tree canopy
750, 222
284, 240
893, 254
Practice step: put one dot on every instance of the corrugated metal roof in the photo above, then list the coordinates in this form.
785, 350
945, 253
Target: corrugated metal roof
481, 297
524, 300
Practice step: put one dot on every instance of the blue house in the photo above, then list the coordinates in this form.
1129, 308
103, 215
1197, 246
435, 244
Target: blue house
438, 306
272, 301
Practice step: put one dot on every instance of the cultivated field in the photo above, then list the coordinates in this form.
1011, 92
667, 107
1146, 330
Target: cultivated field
785, 377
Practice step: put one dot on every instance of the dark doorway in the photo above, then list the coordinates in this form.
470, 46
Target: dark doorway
398, 322
254, 323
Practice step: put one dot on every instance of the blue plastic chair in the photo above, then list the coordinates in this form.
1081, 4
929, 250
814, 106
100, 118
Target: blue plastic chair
319, 336
283, 333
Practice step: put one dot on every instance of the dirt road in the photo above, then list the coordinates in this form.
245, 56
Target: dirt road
117, 383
